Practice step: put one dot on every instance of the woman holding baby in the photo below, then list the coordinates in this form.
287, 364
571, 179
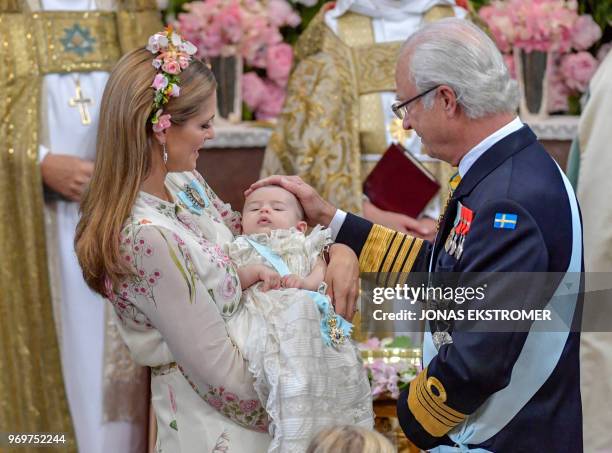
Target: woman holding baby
154, 240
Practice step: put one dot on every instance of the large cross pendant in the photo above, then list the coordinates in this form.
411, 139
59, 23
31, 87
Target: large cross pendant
81, 102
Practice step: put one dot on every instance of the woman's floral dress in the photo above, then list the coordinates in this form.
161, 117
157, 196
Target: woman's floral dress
171, 316
305, 385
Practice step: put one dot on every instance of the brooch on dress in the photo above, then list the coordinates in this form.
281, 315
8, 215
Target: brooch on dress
193, 197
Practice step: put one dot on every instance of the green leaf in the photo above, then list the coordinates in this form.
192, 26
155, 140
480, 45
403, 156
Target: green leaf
178, 264
173, 425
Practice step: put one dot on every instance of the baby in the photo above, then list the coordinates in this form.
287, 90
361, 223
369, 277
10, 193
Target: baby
308, 374
274, 208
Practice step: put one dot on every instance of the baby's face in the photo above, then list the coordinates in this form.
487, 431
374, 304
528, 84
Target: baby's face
271, 208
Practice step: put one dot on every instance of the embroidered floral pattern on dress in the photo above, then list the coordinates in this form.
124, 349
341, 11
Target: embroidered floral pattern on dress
166, 209
134, 248
222, 445
247, 413
173, 424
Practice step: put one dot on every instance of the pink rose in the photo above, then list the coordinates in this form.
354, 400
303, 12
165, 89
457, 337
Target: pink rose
281, 13
227, 288
172, 398
163, 122
215, 402
255, 47
231, 25
253, 90
278, 62
272, 104
229, 397
171, 67
585, 32
212, 41
577, 69
558, 91
160, 82
248, 406
183, 61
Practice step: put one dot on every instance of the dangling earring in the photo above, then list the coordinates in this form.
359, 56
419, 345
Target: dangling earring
164, 153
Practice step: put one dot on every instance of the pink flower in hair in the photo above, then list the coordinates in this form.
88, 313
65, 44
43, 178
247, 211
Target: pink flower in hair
160, 82
183, 61
171, 67
163, 122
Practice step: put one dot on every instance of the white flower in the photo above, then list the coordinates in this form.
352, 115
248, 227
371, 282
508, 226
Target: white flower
156, 63
176, 90
153, 45
176, 39
188, 48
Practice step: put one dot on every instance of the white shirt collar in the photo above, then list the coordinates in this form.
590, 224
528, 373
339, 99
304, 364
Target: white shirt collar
472, 155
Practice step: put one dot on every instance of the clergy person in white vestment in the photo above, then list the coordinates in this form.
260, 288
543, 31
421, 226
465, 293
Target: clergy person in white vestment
593, 191
70, 105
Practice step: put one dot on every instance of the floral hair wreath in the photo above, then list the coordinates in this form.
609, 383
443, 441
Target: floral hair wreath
173, 55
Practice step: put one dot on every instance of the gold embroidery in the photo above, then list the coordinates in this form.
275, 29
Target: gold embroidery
375, 66
439, 12
398, 133
355, 29
318, 132
50, 28
10, 6
426, 400
135, 27
31, 382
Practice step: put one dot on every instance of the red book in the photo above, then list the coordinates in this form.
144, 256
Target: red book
400, 183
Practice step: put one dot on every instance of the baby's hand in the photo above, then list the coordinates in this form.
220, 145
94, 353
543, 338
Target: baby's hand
291, 281
270, 278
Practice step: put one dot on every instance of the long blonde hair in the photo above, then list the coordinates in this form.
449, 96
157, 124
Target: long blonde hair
349, 438
123, 157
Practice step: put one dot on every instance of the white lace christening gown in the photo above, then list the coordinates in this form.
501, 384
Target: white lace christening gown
304, 384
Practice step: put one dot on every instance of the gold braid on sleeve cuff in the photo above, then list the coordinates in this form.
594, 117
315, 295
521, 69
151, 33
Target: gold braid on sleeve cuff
386, 250
426, 401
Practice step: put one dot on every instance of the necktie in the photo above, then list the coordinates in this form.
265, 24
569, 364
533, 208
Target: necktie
453, 182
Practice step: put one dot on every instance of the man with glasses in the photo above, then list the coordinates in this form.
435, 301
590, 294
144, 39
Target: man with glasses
336, 122
511, 210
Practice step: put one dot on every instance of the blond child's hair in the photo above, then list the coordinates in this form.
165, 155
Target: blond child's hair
348, 438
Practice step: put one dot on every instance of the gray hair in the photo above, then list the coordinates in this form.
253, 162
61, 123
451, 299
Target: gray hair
456, 53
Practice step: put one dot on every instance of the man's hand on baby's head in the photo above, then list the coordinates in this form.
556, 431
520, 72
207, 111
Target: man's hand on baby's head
317, 210
292, 281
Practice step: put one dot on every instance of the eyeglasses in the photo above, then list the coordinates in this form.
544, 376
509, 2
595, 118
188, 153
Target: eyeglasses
401, 108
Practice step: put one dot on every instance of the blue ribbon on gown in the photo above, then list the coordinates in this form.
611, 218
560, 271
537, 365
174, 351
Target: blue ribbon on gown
335, 330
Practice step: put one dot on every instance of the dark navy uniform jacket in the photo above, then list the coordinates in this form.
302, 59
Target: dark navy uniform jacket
490, 372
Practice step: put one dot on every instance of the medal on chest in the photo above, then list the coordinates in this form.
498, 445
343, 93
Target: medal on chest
193, 197
461, 226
